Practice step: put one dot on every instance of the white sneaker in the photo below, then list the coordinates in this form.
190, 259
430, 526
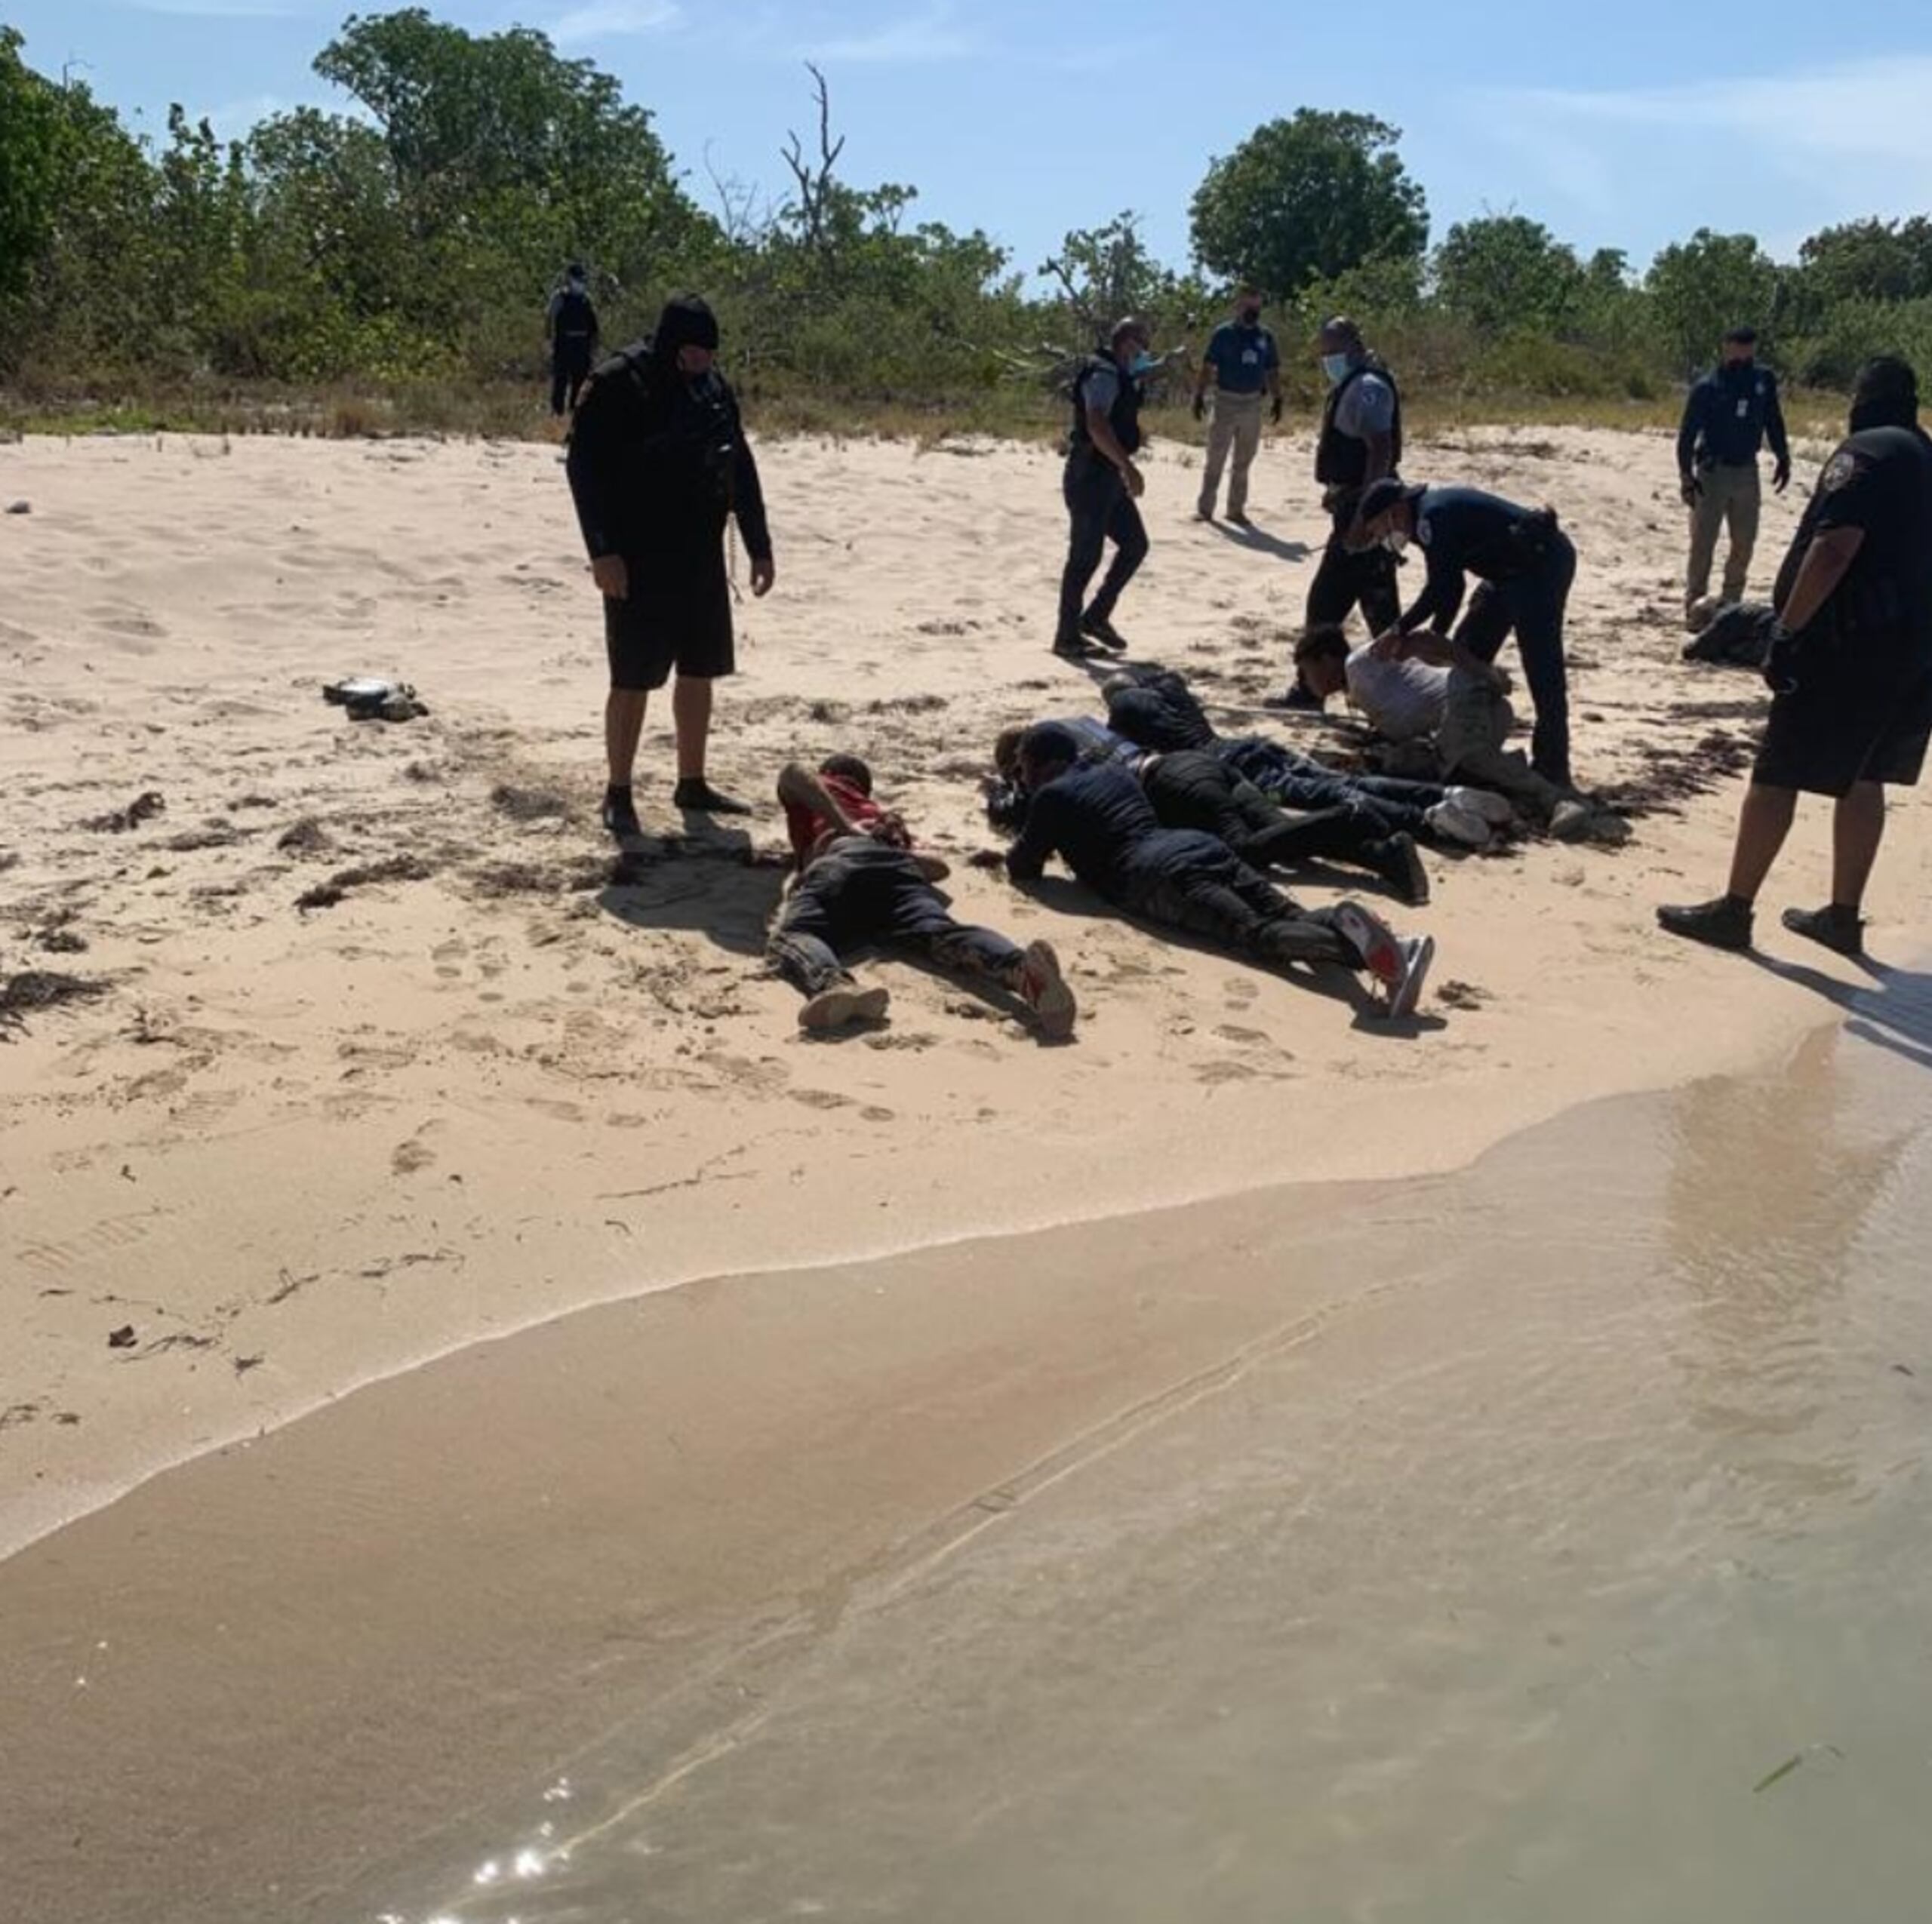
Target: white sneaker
1453, 822
1418, 952
1497, 810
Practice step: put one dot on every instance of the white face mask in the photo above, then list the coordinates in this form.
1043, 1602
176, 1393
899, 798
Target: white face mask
1395, 540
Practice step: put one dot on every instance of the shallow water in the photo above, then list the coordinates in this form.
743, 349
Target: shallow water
1548, 1541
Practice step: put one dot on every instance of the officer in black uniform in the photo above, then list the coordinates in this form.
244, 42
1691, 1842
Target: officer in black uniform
658, 462
1850, 664
1360, 443
1526, 565
1102, 485
1728, 416
571, 323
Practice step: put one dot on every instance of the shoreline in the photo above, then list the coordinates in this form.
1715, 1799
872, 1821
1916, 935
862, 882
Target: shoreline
297, 1152
614, 1553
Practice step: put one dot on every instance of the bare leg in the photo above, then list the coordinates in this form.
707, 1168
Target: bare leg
691, 714
1762, 824
1858, 825
623, 723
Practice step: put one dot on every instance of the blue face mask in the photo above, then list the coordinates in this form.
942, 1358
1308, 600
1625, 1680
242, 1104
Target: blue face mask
1336, 366
1143, 363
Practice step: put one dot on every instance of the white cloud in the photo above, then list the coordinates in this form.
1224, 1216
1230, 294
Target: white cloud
610, 20
915, 39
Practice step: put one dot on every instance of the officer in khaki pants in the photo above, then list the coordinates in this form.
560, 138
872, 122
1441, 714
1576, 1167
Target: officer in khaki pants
1729, 416
1243, 363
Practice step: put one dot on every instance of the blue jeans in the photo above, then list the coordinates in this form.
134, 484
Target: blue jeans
859, 892
1386, 802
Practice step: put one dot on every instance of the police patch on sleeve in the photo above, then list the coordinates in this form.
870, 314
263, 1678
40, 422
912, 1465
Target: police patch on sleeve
1838, 470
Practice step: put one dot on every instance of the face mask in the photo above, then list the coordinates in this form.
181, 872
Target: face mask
1395, 541
1336, 366
1143, 363
1249, 316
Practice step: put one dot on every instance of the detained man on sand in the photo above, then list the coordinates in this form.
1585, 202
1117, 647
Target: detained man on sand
658, 464
1096, 816
860, 881
1850, 664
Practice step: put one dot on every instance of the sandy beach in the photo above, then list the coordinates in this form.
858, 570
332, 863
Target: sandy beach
388, 1058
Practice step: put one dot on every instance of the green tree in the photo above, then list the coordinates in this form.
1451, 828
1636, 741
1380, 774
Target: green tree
1505, 272
1699, 287
1864, 261
29, 140
1308, 198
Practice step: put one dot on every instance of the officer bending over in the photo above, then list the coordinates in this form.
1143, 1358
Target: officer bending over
1525, 565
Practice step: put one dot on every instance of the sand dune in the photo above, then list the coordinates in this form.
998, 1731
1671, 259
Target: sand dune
390, 1055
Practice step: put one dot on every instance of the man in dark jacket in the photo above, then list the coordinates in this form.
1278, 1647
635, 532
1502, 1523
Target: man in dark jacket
658, 463
1850, 663
571, 325
1728, 416
1101, 486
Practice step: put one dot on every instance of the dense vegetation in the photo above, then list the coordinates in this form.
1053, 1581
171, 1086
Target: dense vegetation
393, 259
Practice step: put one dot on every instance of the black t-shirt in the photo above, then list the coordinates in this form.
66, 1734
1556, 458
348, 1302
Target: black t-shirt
1879, 482
1462, 531
657, 462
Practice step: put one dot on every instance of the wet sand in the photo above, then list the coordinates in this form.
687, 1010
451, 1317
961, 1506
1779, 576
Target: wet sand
1545, 1539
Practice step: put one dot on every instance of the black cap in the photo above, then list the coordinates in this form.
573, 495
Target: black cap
1741, 337
686, 321
1380, 496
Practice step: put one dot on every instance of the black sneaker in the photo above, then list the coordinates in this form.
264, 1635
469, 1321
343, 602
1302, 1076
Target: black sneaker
1297, 697
620, 814
1098, 627
1398, 862
1837, 927
1723, 924
1075, 650
696, 796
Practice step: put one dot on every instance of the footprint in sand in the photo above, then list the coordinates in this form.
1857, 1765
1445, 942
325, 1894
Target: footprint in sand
407, 1158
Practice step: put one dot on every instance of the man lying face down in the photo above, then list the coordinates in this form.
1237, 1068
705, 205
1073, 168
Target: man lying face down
1194, 788
861, 881
1097, 817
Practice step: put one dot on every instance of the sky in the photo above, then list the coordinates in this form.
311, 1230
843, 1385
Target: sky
1625, 126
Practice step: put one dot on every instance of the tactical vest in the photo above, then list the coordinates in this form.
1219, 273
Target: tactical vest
1342, 460
575, 318
1124, 417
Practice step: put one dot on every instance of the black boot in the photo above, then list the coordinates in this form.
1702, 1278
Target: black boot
1723, 924
1836, 925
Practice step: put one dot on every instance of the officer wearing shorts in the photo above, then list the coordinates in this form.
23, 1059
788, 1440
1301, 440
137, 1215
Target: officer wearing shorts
1850, 664
658, 465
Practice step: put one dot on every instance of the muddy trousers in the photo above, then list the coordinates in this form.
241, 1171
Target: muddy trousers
860, 892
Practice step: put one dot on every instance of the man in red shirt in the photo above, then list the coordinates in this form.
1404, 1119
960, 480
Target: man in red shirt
860, 880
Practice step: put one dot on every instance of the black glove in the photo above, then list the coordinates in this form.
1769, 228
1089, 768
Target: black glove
1782, 652
1781, 474
1274, 410
1690, 487
1200, 406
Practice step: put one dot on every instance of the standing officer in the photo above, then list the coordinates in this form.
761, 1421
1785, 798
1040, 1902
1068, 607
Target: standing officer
1361, 443
1101, 486
658, 462
1727, 417
1526, 565
1851, 667
1243, 359
571, 324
